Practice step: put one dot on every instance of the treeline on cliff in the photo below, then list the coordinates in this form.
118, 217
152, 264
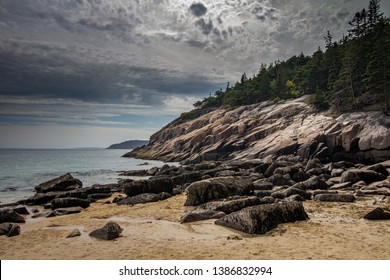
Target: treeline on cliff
351, 74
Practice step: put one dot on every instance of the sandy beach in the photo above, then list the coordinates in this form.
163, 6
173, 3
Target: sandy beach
152, 231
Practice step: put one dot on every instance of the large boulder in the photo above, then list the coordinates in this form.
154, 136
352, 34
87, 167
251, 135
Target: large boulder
10, 216
69, 202
200, 215
356, 175
216, 188
9, 229
154, 185
109, 232
313, 183
262, 218
62, 183
230, 204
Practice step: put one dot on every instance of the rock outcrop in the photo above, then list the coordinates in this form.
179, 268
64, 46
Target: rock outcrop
267, 129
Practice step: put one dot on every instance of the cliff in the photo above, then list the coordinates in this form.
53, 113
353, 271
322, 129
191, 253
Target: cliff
266, 129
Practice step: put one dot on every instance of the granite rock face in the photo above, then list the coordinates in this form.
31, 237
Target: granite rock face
260, 130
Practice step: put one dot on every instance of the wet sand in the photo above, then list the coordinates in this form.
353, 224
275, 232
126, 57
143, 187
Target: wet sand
152, 231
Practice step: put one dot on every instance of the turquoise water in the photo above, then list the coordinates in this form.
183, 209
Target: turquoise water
22, 170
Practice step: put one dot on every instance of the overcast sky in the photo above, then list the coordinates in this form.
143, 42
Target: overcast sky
89, 73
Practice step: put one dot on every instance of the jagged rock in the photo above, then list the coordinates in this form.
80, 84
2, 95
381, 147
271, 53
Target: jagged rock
109, 232
201, 215
359, 185
62, 183
40, 198
74, 233
328, 197
294, 191
379, 168
267, 200
316, 192
378, 214
152, 171
336, 172
10, 216
9, 229
187, 178
78, 193
230, 204
67, 211
341, 186
295, 197
97, 196
384, 192
313, 183
356, 175
142, 198
69, 202
313, 163
262, 185
317, 171
101, 188
215, 188
205, 165
280, 180
264, 193
262, 218
137, 173
300, 176
154, 185
22, 210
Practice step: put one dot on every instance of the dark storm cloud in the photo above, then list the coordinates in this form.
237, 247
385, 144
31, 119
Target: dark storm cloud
58, 76
198, 9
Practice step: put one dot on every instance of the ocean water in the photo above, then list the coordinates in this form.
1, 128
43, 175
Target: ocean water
22, 170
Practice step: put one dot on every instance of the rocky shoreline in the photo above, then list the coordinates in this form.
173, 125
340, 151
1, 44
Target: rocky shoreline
252, 196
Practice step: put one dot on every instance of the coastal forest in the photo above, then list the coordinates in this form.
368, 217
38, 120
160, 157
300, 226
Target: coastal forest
351, 74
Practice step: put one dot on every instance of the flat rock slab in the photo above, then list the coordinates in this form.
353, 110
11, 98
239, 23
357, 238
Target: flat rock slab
263, 218
378, 214
200, 215
142, 198
328, 197
9, 229
109, 232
